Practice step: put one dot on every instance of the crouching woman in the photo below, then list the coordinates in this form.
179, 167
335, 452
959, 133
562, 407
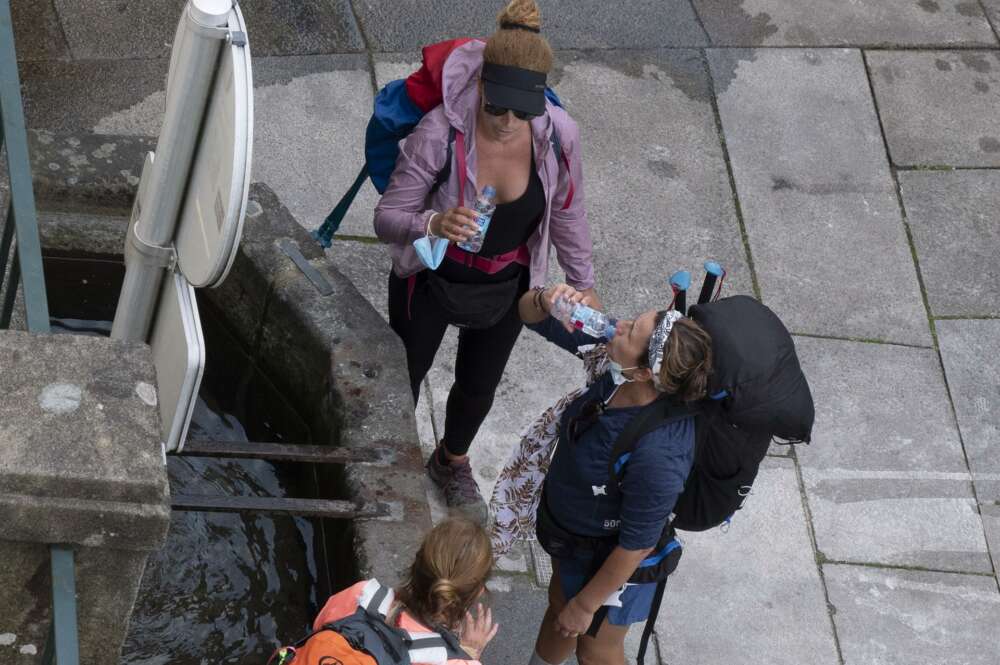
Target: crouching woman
428, 620
604, 516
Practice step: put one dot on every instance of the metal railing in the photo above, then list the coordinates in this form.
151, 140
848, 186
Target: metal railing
20, 227
21, 267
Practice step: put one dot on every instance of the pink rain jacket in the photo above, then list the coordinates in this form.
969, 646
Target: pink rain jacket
402, 213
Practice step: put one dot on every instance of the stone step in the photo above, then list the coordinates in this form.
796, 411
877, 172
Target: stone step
82, 232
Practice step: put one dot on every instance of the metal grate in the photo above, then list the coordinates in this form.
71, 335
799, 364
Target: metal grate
284, 452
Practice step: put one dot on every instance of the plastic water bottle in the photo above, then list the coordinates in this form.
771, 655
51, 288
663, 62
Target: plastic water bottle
586, 319
484, 207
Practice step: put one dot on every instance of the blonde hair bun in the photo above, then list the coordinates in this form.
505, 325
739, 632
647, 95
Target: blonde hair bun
523, 48
521, 12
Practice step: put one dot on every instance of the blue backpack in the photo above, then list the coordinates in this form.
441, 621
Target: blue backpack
399, 106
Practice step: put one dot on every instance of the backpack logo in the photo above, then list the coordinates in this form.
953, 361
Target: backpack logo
330, 660
601, 490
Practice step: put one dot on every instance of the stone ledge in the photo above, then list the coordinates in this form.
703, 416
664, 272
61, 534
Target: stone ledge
94, 524
78, 419
80, 454
337, 359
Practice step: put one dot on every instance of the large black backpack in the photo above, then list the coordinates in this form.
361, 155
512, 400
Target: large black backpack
757, 394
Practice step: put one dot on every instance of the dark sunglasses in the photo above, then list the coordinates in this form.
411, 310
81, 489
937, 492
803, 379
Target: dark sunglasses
584, 418
498, 111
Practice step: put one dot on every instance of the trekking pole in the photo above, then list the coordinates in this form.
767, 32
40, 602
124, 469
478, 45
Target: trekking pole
713, 273
680, 282
324, 234
647, 631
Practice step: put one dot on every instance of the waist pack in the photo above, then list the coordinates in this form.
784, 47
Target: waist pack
475, 306
367, 638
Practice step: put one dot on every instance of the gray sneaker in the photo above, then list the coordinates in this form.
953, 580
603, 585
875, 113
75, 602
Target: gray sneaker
461, 492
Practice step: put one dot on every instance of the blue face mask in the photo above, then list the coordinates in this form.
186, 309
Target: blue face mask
616, 372
431, 250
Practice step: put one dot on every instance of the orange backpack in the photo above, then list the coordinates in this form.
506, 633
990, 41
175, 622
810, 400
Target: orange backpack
367, 638
323, 648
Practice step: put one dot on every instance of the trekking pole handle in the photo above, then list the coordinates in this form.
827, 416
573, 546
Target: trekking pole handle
713, 271
680, 282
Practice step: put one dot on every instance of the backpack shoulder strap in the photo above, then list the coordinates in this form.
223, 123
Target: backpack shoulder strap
376, 599
445, 172
653, 416
438, 647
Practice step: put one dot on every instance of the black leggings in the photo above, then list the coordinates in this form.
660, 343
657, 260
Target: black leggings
479, 363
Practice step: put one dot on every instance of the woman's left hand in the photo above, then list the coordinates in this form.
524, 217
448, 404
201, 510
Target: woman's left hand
574, 620
479, 629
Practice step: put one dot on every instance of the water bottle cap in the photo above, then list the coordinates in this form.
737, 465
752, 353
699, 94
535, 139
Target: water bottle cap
489, 192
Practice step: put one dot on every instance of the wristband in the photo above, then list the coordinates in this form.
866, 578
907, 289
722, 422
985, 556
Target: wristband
428, 232
539, 290
471, 652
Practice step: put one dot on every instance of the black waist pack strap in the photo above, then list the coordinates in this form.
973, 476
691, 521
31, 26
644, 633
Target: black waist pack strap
559, 543
654, 415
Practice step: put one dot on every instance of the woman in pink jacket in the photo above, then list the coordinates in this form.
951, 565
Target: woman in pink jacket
499, 130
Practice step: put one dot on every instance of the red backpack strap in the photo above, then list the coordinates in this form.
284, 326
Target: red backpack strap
561, 155
424, 85
460, 162
569, 195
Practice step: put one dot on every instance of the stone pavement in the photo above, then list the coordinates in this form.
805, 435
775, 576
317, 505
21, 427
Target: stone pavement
840, 158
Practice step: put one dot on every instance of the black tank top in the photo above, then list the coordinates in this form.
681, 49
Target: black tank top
512, 224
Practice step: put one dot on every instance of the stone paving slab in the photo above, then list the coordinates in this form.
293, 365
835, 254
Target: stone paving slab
410, 24
838, 23
37, 32
991, 520
536, 376
732, 590
899, 617
114, 29
74, 96
657, 190
952, 217
310, 114
993, 12
817, 196
885, 474
939, 107
970, 351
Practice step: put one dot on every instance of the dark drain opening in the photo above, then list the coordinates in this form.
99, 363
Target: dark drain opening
226, 587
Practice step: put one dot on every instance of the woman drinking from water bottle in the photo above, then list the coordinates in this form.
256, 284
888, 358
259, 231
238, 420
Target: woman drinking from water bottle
610, 537
495, 128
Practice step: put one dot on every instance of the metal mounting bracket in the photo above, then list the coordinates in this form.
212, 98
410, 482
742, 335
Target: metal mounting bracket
149, 254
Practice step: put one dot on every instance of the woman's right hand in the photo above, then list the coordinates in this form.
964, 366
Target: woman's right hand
456, 224
478, 630
554, 293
